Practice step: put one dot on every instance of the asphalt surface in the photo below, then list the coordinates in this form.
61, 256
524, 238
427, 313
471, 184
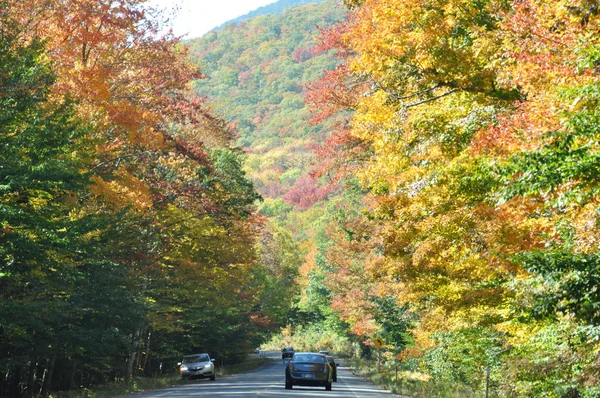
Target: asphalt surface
269, 382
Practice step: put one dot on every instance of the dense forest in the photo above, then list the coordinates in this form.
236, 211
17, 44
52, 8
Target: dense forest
128, 228
473, 127
459, 220
422, 171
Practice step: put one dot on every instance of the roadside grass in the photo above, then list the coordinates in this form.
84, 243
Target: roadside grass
110, 390
140, 384
410, 383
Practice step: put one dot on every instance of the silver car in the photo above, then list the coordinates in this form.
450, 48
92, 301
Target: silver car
197, 366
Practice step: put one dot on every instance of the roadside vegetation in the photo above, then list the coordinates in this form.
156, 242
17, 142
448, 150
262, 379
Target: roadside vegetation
139, 384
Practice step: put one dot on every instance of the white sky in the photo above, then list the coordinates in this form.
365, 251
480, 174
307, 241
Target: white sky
196, 17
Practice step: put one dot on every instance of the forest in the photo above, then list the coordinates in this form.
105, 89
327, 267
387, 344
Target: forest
457, 149
420, 171
128, 228
472, 129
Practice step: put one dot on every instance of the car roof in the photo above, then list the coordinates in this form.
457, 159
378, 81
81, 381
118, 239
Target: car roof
310, 353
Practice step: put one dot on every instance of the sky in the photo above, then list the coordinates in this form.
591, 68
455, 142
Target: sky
196, 17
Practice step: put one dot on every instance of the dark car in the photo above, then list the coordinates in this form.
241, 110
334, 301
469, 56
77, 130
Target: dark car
287, 352
308, 369
333, 365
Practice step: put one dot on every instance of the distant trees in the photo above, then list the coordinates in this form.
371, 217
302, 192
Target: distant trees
272, 57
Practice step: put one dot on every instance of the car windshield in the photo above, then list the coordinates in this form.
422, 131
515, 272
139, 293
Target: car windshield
195, 358
311, 358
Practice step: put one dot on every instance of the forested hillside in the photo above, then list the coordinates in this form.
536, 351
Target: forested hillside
256, 76
276, 7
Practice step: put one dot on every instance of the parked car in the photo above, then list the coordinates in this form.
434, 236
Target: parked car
333, 365
287, 352
308, 369
324, 352
197, 366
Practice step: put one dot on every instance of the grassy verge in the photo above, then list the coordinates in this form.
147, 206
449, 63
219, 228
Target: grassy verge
140, 384
410, 383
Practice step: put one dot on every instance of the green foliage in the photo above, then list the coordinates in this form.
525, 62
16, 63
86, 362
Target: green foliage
282, 260
569, 156
394, 322
311, 337
62, 284
274, 207
402, 378
462, 356
564, 283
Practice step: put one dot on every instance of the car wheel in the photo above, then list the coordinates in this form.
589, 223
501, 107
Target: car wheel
213, 378
288, 384
328, 386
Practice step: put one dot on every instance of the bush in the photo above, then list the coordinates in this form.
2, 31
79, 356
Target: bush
311, 338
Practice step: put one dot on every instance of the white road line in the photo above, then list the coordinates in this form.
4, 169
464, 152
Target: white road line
350, 388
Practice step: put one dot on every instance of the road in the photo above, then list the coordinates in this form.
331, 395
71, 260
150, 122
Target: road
269, 382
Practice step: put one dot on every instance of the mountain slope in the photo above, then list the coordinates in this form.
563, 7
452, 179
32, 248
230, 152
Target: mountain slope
274, 8
256, 75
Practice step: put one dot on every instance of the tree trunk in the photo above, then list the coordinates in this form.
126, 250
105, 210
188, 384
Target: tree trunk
31, 378
133, 354
71, 381
16, 384
147, 372
3, 382
49, 373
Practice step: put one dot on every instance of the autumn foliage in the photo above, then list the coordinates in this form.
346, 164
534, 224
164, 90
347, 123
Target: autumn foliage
127, 225
477, 124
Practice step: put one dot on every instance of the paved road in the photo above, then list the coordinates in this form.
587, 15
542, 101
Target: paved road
269, 382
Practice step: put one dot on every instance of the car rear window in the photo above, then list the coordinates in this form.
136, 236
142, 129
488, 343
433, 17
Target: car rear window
308, 358
195, 358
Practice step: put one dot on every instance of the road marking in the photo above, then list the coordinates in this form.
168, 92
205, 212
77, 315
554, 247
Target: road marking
350, 388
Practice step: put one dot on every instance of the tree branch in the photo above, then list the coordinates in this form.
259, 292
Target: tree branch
431, 99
